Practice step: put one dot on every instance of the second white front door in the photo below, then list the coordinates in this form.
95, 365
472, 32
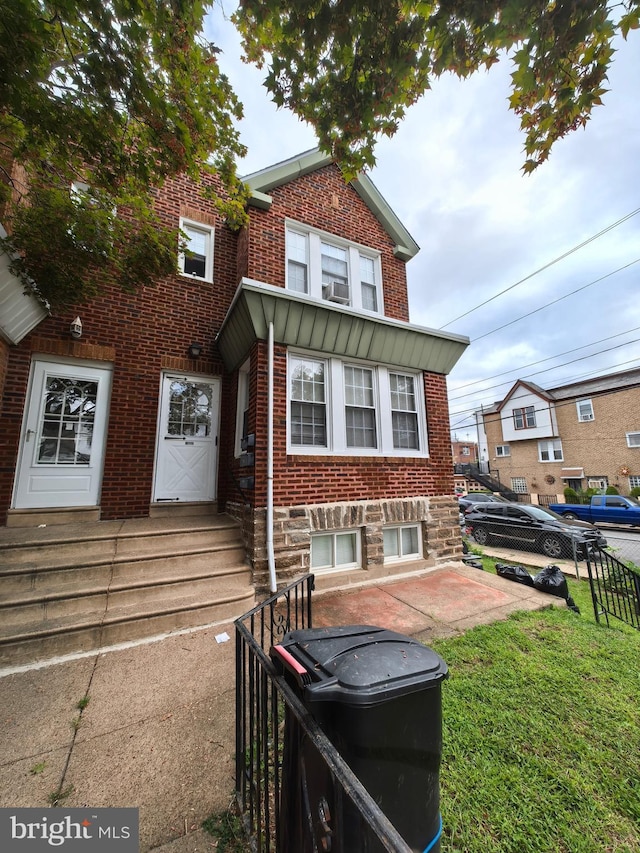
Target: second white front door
187, 448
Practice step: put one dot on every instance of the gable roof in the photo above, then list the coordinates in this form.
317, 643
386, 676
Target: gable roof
530, 386
260, 183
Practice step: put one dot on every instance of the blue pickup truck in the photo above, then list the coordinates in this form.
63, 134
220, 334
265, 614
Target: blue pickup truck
614, 509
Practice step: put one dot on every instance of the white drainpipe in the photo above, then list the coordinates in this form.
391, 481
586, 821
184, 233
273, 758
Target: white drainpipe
273, 585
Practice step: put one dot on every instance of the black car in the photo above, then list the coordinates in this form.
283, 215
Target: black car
467, 501
532, 527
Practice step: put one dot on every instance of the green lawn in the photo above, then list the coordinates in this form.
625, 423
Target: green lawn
542, 735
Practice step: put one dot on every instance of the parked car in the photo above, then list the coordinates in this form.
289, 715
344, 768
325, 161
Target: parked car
474, 498
531, 527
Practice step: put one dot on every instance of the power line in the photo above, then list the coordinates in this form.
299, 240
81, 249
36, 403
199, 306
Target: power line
546, 266
542, 360
548, 369
555, 301
471, 411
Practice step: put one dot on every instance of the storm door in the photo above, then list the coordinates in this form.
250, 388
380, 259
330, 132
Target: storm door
186, 457
63, 439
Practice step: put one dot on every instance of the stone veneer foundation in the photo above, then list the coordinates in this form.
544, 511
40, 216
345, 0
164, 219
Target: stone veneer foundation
294, 526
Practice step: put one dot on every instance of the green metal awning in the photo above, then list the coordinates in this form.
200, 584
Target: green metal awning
301, 321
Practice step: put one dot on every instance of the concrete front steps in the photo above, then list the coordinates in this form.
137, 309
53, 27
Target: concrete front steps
81, 587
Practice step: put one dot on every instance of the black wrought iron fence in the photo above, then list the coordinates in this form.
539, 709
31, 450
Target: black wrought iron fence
615, 588
264, 700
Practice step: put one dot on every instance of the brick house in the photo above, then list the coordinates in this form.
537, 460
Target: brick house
276, 377
582, 435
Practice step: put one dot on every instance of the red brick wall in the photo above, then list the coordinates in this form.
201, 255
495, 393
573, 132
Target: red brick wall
322, 200
301, 479
144, 332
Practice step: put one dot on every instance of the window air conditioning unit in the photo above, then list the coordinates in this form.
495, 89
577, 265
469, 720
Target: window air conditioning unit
336, 291
586, 418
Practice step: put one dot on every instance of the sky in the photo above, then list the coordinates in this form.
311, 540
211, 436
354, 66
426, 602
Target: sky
452, 174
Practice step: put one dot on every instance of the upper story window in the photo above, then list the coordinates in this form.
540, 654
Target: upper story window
550, 451
585, 410
340, 407
633, 439
326, 267
197, 259
524, 418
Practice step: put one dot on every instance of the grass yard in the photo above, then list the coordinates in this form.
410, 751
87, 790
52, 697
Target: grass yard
541, 735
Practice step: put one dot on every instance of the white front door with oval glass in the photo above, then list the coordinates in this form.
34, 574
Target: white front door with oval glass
187, 448
63, 439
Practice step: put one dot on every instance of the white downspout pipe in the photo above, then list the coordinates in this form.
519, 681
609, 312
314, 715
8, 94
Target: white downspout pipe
273, 585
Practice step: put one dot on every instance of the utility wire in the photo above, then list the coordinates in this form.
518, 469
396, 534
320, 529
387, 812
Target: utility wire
546, 369
546, 266
555, 301
471, 411
542, 360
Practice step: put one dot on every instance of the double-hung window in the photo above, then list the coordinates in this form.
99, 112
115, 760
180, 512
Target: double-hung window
308, 408
404, 411
196, 260
360, 410
550, 451
585, 410
326, 267
524, 418
344, 407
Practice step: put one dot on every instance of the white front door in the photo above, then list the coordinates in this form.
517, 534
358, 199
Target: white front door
63, 436
187, 450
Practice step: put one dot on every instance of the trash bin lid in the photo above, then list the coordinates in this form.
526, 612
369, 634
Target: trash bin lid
359, 664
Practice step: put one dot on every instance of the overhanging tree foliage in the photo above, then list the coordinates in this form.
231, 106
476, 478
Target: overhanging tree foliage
124, 94
118, 95
351, 68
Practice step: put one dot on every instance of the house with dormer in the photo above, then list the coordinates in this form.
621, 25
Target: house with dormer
274, 380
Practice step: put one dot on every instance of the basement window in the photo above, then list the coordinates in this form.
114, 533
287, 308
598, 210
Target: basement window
402, 542
339, 550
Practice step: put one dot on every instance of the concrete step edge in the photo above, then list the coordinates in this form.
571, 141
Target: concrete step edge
171, 580
124, 615
10, 571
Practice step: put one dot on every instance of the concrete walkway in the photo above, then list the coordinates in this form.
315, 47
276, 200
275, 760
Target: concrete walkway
157, 731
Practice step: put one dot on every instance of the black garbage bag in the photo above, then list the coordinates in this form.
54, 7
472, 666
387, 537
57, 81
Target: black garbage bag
551, 580
514, 573
474, 562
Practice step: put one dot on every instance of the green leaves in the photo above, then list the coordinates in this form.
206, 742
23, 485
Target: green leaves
121, 95
351, 68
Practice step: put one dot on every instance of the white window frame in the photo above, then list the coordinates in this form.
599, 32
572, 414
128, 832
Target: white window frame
399, 555
519, 485
187, 225
550, 447
313, 260
634, 481
633, 439
584, 409
335, 403
334, 566
503, 450
242, 404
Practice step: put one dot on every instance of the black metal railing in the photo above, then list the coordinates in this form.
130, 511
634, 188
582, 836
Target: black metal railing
264, 700
615, 588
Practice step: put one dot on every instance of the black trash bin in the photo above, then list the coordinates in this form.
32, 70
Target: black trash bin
377, 696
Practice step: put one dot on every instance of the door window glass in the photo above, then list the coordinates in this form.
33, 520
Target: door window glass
189, 409
67, 422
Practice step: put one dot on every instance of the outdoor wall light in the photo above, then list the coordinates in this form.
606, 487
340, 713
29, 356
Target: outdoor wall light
75, 329
195, 349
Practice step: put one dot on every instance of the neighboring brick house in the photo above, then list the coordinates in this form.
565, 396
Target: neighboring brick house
582, 435
311, 409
